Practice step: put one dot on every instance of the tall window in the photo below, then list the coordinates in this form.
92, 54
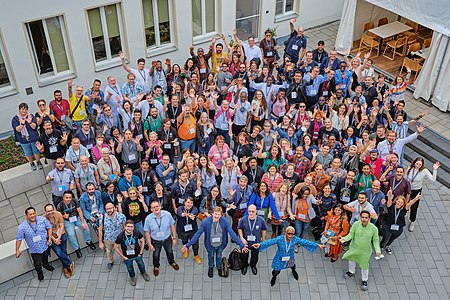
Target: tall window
4, 74
106, 31
203, 17
157, 22
49, 44
284, 7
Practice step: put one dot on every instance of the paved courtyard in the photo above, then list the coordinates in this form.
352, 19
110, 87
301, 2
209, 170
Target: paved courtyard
418, 269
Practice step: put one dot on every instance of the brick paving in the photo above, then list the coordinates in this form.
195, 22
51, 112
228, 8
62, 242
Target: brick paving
418, 269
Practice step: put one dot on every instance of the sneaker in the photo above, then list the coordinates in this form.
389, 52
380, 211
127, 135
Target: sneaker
146, 277
198, 259
49, 268
33, 166
296, 247
364, 286
411, 226
39, 165
186, 254
348, 275
388, 250
133, 281
110, 266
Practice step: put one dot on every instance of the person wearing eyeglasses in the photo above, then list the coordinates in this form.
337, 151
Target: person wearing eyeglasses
284, 257
77, 102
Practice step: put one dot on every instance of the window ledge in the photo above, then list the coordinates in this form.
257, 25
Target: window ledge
46, 81
7, 91
204, 38
161, 50
107, 64
286, 16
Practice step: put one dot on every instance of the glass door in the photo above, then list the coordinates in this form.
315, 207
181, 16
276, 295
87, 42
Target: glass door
247, 18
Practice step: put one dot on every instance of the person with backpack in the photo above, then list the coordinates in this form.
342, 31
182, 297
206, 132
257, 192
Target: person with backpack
284, 257
216, 229
251, 229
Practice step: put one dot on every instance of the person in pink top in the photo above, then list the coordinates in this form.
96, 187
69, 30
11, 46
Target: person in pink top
219, 152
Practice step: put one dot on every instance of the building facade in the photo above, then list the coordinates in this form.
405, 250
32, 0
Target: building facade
44, 43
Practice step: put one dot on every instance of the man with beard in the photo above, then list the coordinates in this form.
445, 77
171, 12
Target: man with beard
148, 104
346, 188
253, 172
52, 143
238, 201
218, 57
111, 225
201, 61
159, 75
375, 196
152, 123
59, 108
376, 163
61, 180
91, 204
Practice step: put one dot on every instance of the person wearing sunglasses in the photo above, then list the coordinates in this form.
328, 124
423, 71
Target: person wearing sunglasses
284, 257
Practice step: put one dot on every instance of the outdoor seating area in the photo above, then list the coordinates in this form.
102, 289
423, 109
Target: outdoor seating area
395, 45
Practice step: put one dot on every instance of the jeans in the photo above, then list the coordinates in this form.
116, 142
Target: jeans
39, 260
215, 251
188, 144
253, 258
204, 150
225, 134
301, 227
70, 230
61, 251
129, 264
167, 244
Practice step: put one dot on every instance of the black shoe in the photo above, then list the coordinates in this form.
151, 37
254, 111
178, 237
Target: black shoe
49, 268
39, 165
146, 247
210, 272
110, 266
348, 275
78, 252
254, 270
219, 271
40, 276
272, 281
295, 274
244, 270
91, 245
33, 166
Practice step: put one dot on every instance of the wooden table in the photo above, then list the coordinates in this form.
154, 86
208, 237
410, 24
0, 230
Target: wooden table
390, 29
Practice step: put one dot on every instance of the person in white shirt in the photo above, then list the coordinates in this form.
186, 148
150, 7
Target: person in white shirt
357, 206
141, 74
416, 174
252, 52
113, 94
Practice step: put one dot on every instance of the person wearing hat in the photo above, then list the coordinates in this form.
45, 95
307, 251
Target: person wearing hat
375, 162
319, 54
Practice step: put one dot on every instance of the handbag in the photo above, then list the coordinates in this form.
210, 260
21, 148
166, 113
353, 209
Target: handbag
234, 260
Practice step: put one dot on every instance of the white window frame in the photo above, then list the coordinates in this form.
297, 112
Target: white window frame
285, 15
9, 89
48, 78
158, 49
110, 61
206, 36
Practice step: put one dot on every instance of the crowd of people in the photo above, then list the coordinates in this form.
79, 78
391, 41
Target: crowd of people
234, 142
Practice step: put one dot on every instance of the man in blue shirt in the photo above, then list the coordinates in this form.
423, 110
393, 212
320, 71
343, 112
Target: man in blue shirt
160, 232
166, 171
36, 231
295, 44
129, 180
252, 229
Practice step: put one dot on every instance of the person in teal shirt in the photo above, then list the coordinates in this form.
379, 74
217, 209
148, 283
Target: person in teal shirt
272, 157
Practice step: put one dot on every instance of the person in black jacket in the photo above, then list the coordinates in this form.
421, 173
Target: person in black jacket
345, 189
296, 92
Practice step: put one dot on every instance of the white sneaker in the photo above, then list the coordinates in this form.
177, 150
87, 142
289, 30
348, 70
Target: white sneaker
411, 226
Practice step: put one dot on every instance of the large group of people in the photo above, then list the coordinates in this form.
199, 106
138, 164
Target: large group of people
234, 142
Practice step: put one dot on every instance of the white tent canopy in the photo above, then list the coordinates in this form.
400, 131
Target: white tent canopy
433, 82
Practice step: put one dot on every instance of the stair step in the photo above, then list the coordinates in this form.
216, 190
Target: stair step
430, 153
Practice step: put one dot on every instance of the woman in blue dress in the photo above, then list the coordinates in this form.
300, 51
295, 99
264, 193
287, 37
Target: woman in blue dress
284, 257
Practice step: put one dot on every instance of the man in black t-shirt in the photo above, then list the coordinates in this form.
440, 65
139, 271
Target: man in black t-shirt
130, 246
52, 143
327, 130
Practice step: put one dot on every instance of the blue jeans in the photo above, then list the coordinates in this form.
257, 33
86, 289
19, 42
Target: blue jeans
187, 144
70, 230
300, 227
217, 251
129, 264
205, 150
61, 251
225, 134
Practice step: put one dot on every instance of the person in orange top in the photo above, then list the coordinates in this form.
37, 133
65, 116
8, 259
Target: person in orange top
336, 227
319, 178
186, 124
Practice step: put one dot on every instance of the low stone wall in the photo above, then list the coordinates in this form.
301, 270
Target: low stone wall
20, 188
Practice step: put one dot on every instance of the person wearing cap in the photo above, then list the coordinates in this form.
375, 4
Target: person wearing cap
375, 162
319, 54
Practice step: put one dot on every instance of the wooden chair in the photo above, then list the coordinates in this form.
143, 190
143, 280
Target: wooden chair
415, 66
382, 21
368, 26
414, 30
414, 48
394, 45
412, 38
427, 42
368, 42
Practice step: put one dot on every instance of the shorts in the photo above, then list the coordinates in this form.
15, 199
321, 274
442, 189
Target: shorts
29, 149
